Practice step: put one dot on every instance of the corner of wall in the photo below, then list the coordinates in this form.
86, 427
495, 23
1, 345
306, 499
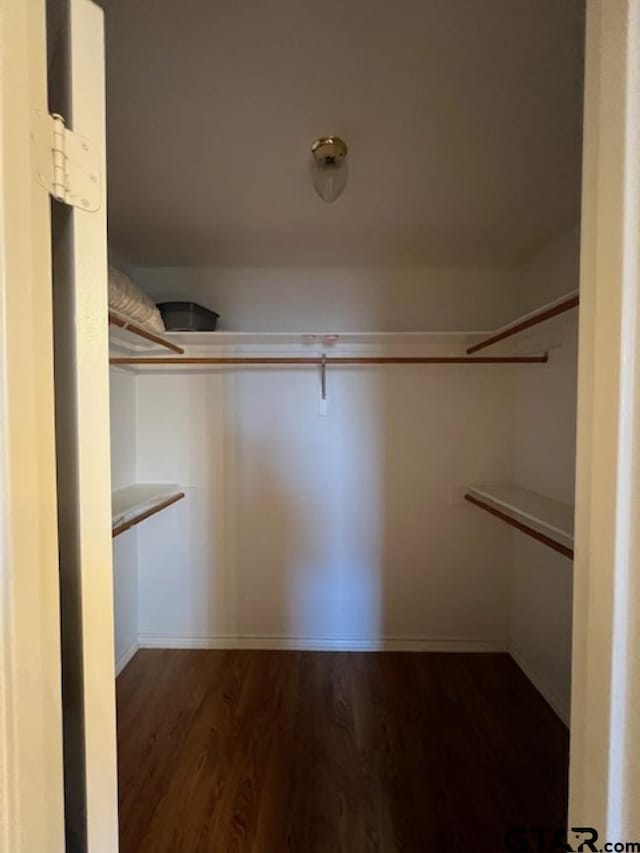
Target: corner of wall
123, 473
551, 271
544, 462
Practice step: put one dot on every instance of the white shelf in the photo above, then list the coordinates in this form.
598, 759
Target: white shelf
201, 350
134, 503
321, 340
536, 331
552, 519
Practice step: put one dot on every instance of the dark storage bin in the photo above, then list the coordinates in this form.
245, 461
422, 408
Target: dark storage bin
187, 317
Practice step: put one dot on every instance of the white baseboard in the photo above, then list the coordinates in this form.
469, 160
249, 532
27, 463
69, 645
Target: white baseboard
125, 657
549, 694
320, 644
339, 644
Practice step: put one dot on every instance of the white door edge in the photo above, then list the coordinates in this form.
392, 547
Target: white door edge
605, 719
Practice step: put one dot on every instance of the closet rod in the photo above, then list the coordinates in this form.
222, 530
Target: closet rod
222, 360
533, 320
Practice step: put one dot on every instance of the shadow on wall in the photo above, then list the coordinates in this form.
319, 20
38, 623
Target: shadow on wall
344, 535
335, 530
309, 514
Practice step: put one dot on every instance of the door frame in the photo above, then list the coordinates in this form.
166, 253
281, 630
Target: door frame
605, 718
605, 748
31, 766
83, 447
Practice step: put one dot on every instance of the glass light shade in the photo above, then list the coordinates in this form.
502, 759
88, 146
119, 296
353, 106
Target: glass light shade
329, 167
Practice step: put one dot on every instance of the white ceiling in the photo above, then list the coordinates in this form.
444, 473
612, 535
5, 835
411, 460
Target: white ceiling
462, 117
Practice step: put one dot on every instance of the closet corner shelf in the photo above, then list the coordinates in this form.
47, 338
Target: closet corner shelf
541, 315
133, 504
546, 520
133, 337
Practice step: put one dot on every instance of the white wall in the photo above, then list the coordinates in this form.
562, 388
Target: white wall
123, 473
550, 272
544, 462
273, 300
331, 531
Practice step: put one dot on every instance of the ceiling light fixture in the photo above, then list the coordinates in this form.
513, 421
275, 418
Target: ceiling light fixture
329, 167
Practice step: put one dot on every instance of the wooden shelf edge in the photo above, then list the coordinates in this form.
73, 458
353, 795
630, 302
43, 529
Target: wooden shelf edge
519, 525
134, 328
330, 360
147, 513
566, 303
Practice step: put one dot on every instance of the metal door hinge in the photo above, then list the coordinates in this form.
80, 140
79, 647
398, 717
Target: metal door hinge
67, 164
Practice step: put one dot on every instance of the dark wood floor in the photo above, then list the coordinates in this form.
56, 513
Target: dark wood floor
298, 752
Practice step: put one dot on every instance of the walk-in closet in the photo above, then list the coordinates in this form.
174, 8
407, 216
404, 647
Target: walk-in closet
343, 516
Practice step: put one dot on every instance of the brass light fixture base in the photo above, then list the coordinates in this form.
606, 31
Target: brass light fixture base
329, 147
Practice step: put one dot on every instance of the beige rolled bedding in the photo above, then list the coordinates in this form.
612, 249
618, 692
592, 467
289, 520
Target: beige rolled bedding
132, 303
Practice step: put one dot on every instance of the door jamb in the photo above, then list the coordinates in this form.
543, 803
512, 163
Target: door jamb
605, 718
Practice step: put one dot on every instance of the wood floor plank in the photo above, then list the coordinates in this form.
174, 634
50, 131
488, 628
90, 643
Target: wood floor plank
269, 752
